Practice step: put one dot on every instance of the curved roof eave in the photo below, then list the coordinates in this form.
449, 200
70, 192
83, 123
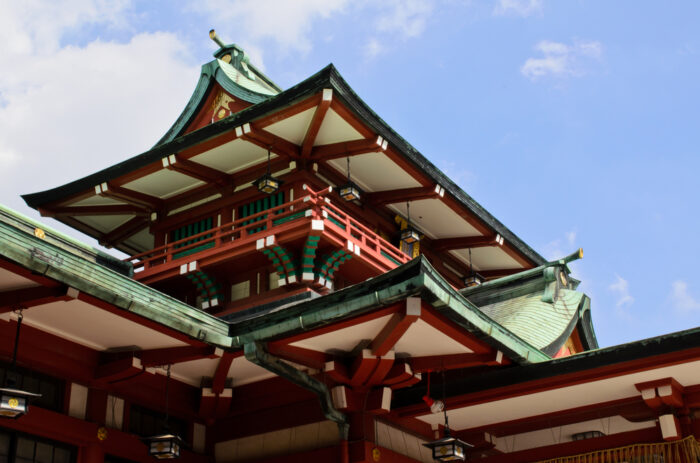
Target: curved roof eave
328, 77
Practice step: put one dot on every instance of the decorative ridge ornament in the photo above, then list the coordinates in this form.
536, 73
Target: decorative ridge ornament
14, 403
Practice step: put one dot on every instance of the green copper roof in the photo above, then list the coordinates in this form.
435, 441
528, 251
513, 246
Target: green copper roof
60, 258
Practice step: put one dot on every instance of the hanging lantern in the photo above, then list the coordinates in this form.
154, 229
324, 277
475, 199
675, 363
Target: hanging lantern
409, 235
15, 402
267, 183
448, 449
349, 191
164, 446
473, 280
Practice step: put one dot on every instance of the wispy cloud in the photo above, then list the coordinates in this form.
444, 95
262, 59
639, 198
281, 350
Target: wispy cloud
561, 60
560, 247
518, 7
398, 19
620, 288
682, 300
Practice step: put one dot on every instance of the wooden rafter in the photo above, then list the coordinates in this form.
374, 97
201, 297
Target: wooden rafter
108, 209
451, 362
396, 327
347, 148
133, 197
31, 297
465, 242
124, 231
403, 195
196, 170
277, 145
316, 121
171, 355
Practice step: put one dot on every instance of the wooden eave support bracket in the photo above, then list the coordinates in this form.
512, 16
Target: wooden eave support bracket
316, 121
349, 148
396, 327
196, 170
265, 139
118, 370
172, 355
124, 231
665, 397
128, 196
31, 297
446, 244
405, 194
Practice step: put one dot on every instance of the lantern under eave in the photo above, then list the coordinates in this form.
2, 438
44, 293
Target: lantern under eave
164, 446
14, 402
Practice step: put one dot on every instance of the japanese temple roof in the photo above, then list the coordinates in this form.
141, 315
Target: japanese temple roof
327, 78
56, 256
237, 77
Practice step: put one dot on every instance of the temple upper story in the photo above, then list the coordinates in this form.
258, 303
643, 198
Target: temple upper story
259, 195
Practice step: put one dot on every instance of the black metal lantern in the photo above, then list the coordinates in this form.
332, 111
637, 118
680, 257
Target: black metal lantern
15, 402
409, 235
350, 191
165, 446
474, 279
267, 183
448, 448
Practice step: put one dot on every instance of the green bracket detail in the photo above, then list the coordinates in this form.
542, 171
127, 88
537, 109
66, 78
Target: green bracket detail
207, 288
282, 260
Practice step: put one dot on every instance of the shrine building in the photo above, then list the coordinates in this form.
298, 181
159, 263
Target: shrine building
304, 285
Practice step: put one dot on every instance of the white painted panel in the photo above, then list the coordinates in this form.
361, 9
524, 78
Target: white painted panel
579, 395
375, 172
345, 339
97, 200
191, 372
487, 258
98, 329
142, 240
78, 401
163, 183
293, 128
335, 129
233, 156
244, 372
104, 223
114, 417
10, 281
436, 219
561, 434
422, 339
240, 290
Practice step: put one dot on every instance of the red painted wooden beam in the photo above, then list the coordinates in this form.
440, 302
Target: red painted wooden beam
337, 372
132, 197
381, 370
196, 170
402, 195
172, 355
446, 244
31, 297
108, 209
222, 369
308, 357
451, 362
396, 327
362, 367
346, 148
124, 231
316, 121
117, 370
399, 373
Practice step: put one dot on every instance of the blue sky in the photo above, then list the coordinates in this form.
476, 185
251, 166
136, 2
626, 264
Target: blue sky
574, 122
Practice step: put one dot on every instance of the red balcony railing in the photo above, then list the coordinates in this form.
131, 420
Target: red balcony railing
293, 218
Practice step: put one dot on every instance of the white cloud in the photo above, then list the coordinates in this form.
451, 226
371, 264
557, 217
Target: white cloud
561, 60
287, 23
621, 289
373, 48
518, 7
560, 247
405, 17
682, 300
67, 111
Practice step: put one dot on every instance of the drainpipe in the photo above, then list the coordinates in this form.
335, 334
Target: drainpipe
255, 352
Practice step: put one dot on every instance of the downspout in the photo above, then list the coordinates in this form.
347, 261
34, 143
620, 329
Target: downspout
255, 352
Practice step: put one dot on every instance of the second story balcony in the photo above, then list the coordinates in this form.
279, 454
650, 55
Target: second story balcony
306, 241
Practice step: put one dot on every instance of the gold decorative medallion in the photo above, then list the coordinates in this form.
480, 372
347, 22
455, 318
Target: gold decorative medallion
13, 403
101, 433
39, 233
376, 454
